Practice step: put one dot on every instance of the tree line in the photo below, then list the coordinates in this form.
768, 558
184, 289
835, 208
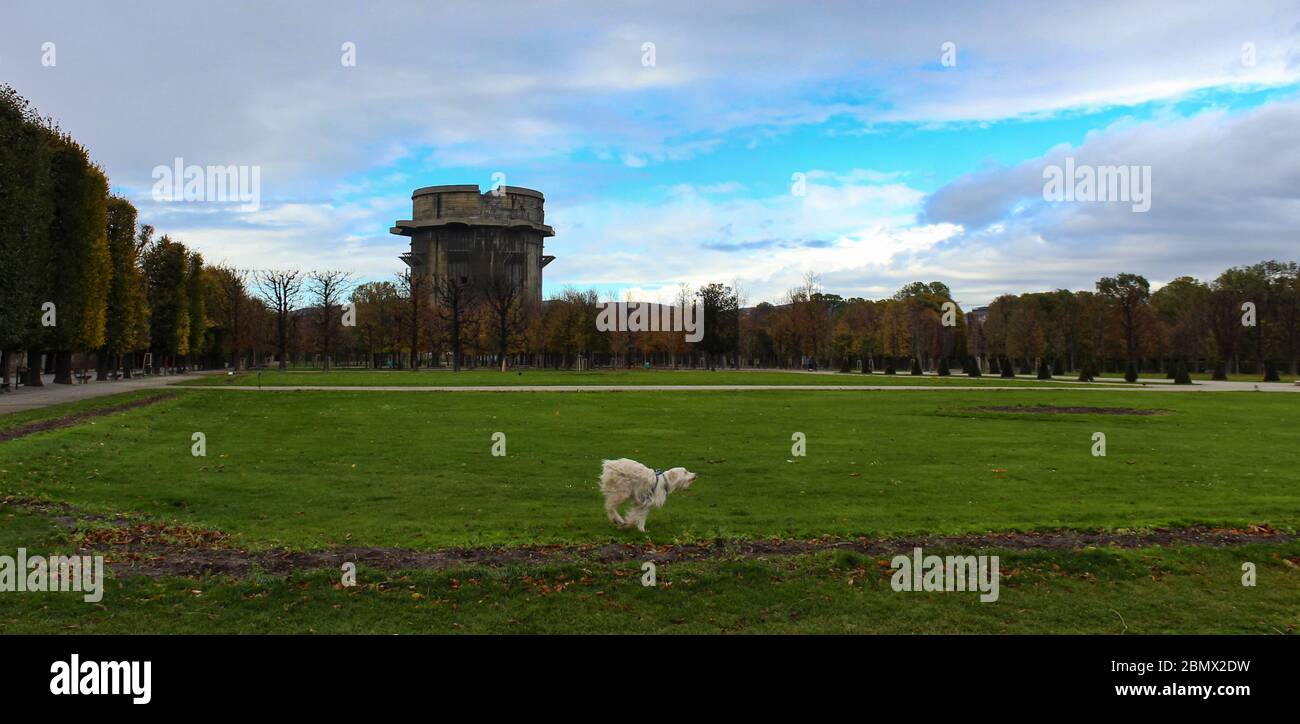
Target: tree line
78, 276
81, 280
1246, 320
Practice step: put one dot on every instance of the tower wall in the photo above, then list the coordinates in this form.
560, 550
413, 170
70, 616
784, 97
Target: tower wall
461, 234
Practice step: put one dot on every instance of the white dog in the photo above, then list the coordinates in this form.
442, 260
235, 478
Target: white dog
623, 479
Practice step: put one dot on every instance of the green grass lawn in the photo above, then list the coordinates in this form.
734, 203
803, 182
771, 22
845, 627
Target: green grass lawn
413, 469
11, 420
1149, 590
320, 469
492, 377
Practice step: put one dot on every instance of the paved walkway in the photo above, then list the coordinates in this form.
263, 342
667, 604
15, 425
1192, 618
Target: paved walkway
30, 398
1158, 387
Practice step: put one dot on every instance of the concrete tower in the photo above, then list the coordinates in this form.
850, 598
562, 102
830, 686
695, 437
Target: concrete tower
458, 233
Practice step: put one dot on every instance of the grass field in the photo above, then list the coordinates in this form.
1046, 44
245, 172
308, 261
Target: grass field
415, 469
492, 377
320, 470
11, 420
1155, 590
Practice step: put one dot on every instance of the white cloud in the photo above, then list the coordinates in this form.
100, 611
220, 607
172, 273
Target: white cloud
766, 243
1225, 192
516, 84
262, 83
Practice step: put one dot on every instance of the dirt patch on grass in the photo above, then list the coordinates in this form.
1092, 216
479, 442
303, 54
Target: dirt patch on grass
1051, 410
133, 546
156, 535
154, 559
69, 420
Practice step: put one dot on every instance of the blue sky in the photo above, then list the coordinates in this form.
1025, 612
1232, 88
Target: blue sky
680, 172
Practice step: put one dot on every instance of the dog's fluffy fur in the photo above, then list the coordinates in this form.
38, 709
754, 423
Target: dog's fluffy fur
624, 479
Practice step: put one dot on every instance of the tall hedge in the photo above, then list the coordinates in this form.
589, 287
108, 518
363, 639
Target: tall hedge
166, 266
196, 305
126, 329
78, 237
26, 210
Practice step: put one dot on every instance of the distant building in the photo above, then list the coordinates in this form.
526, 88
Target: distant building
461, 234
978, 314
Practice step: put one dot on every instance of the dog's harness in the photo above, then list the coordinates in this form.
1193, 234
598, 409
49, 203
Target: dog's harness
654, 489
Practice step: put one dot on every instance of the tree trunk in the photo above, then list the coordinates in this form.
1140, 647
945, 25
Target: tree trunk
4, 368
101, 366
34, 369
62, 368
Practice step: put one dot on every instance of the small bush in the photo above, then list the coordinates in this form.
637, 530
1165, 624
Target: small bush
916, 367
1008, 368
1131, 373
889, 366
1088, 372
1181, 375
943, 369
973, 367
1044, 372
866, 365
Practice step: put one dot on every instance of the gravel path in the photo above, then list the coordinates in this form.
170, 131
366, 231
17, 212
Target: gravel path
31, 398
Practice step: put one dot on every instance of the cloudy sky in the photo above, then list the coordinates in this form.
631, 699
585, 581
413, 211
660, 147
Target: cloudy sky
761, 141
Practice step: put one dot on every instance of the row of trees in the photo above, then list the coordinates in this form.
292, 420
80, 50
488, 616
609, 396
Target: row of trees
412, 322
76, 275
1247, 319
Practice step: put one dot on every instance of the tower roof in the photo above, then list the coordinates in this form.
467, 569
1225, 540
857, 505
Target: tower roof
512, 207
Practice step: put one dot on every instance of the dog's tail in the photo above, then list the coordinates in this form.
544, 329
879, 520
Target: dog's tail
606, 479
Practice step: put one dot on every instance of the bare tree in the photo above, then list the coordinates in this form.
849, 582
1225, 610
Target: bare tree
453, 301
621, 339
742, 298
503, 298
282, 290
231, 303
415, 287
328, 289
677, 343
